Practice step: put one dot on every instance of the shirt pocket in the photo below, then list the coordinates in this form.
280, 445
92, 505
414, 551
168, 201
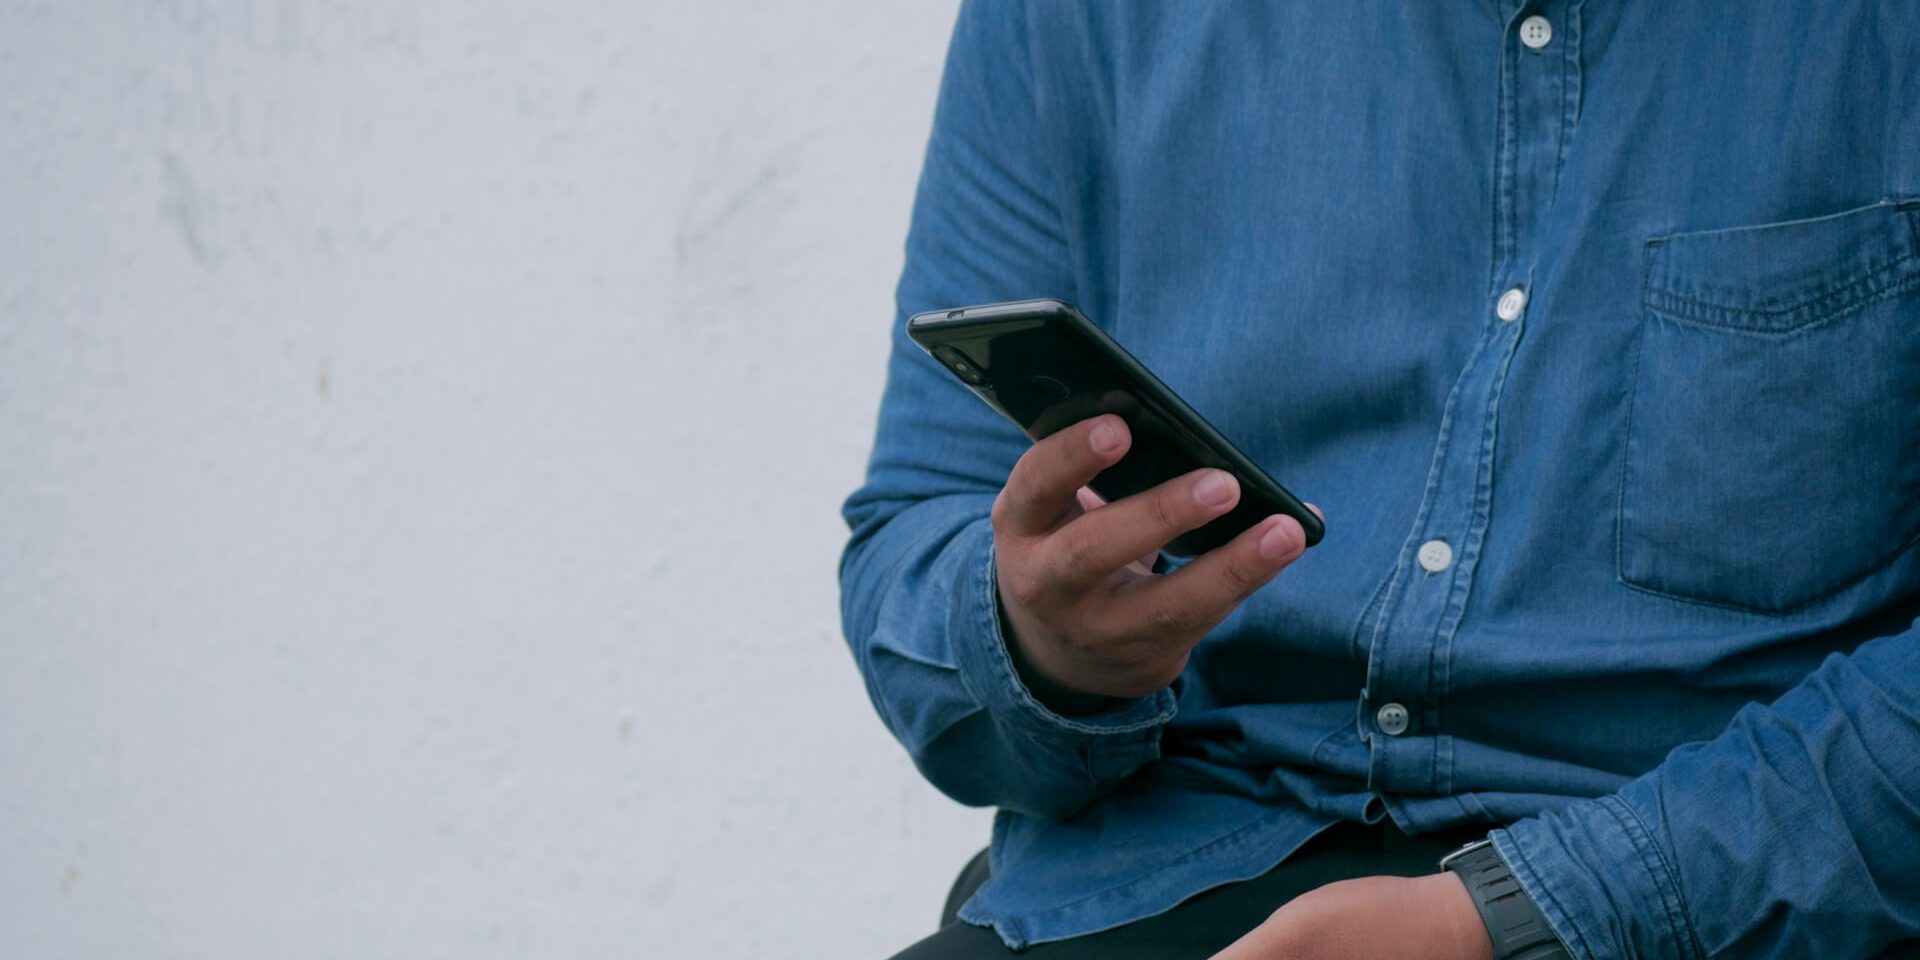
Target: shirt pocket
1772, 450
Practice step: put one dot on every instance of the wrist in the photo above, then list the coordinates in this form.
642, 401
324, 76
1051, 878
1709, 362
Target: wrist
1461, 927
1514, 925
1052, 694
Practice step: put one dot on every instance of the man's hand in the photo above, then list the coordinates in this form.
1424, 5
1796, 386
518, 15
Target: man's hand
1089, 618
1372, 918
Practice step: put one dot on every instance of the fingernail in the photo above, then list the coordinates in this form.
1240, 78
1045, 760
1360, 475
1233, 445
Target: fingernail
1286, 538
1105, 437
1214, 489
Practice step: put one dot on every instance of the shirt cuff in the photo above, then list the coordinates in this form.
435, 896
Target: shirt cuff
1603, 882
1113, 741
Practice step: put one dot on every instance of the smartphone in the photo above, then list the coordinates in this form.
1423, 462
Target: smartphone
1045, 366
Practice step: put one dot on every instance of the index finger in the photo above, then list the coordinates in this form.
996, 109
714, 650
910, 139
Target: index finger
1042, 489
1194, 599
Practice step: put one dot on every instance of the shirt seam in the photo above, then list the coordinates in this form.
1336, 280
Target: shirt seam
1694, 312
1558, 916
1654, 861
1480, 517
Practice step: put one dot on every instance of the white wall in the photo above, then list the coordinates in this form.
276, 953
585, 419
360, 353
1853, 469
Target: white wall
422, 429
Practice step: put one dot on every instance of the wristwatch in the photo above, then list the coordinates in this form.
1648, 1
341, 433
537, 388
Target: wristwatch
1514, 922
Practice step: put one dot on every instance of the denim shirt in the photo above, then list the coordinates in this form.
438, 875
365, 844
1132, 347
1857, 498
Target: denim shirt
1599, 344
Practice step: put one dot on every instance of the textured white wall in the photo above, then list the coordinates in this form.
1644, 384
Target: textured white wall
422, 427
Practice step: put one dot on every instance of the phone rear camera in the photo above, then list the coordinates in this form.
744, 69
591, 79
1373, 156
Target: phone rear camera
960, 365
969, 373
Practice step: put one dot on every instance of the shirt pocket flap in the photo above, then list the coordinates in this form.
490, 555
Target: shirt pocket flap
1782, 277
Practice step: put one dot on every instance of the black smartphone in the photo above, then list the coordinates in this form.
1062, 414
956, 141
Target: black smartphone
1044, 366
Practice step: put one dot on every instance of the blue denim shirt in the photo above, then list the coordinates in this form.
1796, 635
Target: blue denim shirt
1670, 641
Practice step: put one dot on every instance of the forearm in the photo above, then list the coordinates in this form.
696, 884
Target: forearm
1796, 833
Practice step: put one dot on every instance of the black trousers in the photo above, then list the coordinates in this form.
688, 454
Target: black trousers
1205, 924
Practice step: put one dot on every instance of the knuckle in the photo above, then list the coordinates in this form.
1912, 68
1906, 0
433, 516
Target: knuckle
1164, 622
1030, 495
1058, 448
1242, 575
1019, 496
1073, 555
1024, 591
1016, 582
1164, 508
998, 515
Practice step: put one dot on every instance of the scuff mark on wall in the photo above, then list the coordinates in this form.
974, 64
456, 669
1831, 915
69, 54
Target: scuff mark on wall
698, 226
187, 209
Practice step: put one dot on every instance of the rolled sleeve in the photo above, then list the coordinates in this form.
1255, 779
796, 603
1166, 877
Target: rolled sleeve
1111, 743
1603, 885
1795, 833
918, 603
938, 670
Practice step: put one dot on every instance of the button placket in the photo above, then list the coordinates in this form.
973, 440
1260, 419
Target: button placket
1410, 656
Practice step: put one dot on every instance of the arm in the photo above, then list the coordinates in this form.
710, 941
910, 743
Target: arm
1796, 833
979, 614
919, 604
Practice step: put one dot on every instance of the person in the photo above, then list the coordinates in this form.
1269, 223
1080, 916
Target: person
1594, 329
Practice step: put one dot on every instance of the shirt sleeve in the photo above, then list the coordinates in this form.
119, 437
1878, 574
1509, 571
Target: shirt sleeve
1796, 833
918, 597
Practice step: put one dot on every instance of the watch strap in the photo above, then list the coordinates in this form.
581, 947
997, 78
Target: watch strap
1518, 929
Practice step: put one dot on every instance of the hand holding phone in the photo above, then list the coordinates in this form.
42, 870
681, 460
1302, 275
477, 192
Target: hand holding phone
1044, 366
1089, 618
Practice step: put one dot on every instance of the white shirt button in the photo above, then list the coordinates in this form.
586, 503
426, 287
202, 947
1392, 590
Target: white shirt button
1435, 556
1392, 719
1536, 32
1512, 304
